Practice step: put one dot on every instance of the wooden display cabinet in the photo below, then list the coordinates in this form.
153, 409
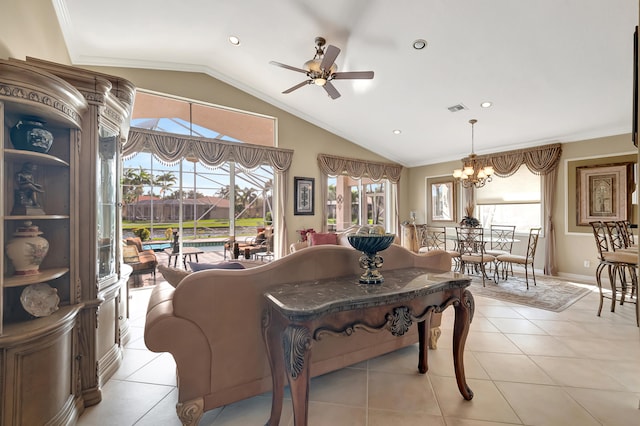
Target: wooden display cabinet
53, 366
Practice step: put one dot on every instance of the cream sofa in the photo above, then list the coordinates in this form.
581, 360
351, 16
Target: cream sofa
211, 324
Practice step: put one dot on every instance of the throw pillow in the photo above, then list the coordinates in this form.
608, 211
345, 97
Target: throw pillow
222, 265
319, 238
172, 275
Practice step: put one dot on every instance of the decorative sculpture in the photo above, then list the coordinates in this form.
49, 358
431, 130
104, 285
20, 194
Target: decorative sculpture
26, 193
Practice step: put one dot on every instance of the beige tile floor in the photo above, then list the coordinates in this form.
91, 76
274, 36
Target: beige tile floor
526, 367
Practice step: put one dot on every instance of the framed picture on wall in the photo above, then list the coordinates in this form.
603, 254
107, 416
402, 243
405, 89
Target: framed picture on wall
603, 193
443, 208
303, 196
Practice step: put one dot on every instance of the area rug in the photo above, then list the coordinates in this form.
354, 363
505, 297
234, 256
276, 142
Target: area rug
550, 293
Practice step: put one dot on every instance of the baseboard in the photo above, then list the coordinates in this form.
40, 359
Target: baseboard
590, 279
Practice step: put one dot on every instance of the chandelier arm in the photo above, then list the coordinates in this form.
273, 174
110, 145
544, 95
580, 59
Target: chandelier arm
473, 172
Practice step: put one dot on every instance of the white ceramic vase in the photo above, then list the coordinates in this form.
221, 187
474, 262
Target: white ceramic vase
27, 249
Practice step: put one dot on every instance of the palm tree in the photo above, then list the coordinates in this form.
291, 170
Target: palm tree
166, 181
133, 183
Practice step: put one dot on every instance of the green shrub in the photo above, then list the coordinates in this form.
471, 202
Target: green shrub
143, 233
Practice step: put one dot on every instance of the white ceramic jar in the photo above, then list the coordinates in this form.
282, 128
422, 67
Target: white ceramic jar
27, 249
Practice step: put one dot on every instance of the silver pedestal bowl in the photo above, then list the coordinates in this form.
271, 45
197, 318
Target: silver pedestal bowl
370, 261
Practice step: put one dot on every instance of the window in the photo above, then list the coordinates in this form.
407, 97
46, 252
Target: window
203, 201
357, 202
515, 200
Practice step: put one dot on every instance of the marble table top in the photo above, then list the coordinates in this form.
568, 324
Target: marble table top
311, 299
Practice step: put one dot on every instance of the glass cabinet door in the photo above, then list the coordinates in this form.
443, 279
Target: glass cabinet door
106, 209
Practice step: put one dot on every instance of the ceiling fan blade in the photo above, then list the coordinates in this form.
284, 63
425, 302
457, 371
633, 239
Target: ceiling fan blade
331, 90
330, 55
297, 86
289, 67
352, 74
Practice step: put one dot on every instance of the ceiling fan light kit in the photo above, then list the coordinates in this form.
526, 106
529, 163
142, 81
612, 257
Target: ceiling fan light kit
322, 69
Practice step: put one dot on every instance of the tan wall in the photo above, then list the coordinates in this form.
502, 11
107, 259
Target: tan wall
30, 28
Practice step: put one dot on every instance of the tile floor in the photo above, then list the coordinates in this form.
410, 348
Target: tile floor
526, 367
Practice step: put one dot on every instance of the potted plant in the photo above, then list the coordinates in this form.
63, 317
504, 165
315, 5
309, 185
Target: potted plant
468, 219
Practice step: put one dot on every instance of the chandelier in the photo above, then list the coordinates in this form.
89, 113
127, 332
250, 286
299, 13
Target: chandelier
473, 172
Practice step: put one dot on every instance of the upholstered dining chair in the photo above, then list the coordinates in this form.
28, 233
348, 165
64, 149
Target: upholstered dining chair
617, 263
472, 251
628, 234
501, 241
506, 261
435, 238
619, 242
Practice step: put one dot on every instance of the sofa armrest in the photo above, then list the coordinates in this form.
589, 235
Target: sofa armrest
183, 339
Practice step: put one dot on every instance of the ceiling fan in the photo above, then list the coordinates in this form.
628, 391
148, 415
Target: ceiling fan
322, 69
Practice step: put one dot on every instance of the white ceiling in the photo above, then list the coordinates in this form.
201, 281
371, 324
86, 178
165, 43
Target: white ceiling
555, 70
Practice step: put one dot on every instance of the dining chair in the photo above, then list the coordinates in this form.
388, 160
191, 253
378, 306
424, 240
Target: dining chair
506, 261
615, 262
501, 240
627, 233
619, 242
472, 251
435, 238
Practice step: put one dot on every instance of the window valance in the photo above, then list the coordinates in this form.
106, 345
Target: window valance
332, 165
171, 148
540, 160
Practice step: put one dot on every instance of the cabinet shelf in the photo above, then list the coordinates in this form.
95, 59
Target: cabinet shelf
37, 217
35, 157
44, 275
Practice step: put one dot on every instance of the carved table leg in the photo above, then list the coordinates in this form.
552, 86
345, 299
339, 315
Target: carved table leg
190, 412
275, 354
297, 356
464, 313
423, 359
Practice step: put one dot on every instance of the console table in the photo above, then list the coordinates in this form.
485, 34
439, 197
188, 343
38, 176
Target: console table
299, 314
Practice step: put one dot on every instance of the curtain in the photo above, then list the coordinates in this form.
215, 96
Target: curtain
331, 165
171, 148
544, 161
549, 190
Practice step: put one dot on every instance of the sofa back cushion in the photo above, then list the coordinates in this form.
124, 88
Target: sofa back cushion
320, 238
222, 265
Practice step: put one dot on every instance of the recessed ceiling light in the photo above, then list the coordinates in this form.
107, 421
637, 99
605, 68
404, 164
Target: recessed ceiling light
486, 104
397, 131
419, 44
234, 40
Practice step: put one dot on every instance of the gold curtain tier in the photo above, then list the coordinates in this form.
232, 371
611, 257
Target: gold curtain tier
539, 160
171, 148
333, 166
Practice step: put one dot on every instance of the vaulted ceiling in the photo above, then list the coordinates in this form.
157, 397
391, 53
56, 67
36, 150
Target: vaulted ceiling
554, 70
